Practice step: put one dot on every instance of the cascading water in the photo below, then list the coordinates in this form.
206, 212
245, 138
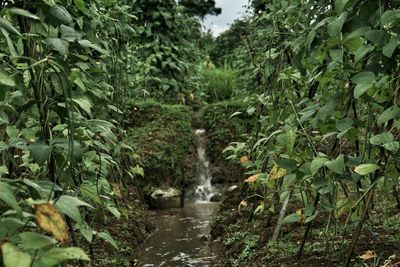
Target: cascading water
204, 190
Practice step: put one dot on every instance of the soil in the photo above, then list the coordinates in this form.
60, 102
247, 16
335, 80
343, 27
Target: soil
244, 242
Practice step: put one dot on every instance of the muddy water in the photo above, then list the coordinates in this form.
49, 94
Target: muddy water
180, 238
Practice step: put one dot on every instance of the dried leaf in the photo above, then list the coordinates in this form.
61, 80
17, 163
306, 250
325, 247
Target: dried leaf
49, 219
242, 203
369, 254
117, 190
244, 159
252, 179
277, 173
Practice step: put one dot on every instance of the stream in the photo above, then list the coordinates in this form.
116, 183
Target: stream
183, 234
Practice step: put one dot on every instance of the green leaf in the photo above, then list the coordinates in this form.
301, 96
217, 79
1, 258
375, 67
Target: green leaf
336, 165
6, 79
40, 152
360, 89
56, 256
81, 6
61, 14
32, 240
390, 16
8, 27
339, 5
363, 51
366, 77
365, 169
108, 239
353, 44
288, 164
316, 164
4, 119
22, 12
292, 218
7, 195
335, 27
13, 257
88, 44
84, 103
344, 125
391, 46
389, 114
381, 139
68, 209
50, 2
61, 46
69, 34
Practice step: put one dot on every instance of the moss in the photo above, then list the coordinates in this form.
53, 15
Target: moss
223, 128
162, 136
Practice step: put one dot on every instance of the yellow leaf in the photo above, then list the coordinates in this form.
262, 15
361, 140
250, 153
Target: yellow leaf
369, 254
242, 203
244, 159
252, 179
117, 190
277, 173
49, 219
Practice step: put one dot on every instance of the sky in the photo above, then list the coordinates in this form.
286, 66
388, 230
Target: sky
231, 10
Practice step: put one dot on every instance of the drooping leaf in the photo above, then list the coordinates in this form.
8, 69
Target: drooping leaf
339, 5
335, 27
61, 46
61, 13
40, 152
292, 218
316, 164
22, 12
84, 103
365, 169
14, 257
381, 139
108, 239
88, 44
7, 196
288, 164
56, 256
6, 79
32, 240
336, 165
8, 27
277, 173
69, 34
82, 7
49, 219
389, 114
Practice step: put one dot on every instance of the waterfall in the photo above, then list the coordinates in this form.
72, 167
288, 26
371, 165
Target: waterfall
204, 190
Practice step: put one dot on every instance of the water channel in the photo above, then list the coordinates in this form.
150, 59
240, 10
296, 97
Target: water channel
183, 234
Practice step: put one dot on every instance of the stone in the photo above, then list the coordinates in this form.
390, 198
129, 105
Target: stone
232, 188
216, 198
165, 198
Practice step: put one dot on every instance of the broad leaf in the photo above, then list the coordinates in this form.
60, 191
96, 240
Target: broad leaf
7, 195
32, 240
49, 219
56, 256
316, 164
61, 46
14, 257
336, 165
365, 169
40, 152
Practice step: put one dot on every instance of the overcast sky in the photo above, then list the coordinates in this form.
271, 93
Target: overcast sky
231, 10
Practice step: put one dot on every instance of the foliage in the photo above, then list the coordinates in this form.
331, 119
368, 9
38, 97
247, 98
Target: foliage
219, 83
57, 59
162, 136
326, 76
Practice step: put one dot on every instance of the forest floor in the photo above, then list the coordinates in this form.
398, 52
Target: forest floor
246, 243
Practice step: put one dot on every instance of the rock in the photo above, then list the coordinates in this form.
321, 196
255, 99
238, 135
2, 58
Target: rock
165, 198
204, 239
216, 198
232, 189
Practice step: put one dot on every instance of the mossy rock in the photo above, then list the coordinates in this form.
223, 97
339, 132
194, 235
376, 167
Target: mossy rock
162, 137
